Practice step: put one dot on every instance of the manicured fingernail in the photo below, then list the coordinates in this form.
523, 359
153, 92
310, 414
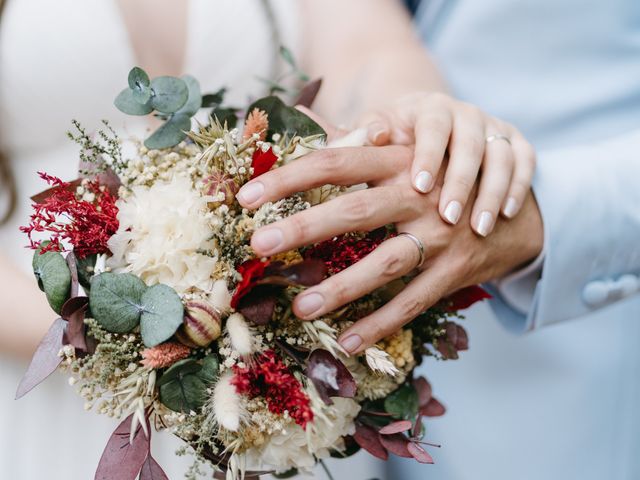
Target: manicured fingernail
510, 208
267, 240
423, 181
309, 303
376, 130
250, 193
351, 343
485, 223
452, 212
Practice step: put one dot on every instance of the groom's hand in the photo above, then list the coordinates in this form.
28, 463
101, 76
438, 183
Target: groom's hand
455, 256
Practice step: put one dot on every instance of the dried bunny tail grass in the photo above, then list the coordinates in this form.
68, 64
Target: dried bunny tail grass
240, 335
225, 405
220, 296
257, 123
380, 361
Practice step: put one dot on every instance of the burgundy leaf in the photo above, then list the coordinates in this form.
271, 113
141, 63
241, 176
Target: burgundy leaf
74, 311
417, 430
423, 387
396, 427
367, 437
104, 175
42, 196
396, 444
462, 339
45, 361
330, 377
306, 273
432, 409
309, 93
419, 453
73, 268
259, 304
121, 459
152, 471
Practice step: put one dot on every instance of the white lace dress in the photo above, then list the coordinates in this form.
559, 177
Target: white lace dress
68, 59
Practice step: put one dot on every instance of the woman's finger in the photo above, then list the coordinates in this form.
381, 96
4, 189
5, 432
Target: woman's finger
497, 170
524, 168
336, 166
378, 126
432, 131
363, 210
392, 259
423, 292
466, 151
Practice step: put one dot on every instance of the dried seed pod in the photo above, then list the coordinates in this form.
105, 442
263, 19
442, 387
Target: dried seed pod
221, 186
201, 325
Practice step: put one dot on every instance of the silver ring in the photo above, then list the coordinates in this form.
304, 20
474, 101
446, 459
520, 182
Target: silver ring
497, 136
418, 244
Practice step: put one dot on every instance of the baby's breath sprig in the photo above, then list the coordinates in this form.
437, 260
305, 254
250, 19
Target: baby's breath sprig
101, 151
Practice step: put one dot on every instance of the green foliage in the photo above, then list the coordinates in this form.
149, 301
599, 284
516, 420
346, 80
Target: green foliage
162, 314
54, 278
403, 403
288, 474
276, 86
173, 99
183, 386
286, 120
115, 301
98, 151
85, 270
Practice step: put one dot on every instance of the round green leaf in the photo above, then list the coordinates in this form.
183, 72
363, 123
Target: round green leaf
127, 103
181, 367
138, 78
161, 316
403, 403
54, 278
169, 94
171, 133
210, 369
142, 95
115, 301
286, 120
85, 270
185, 393
194, 101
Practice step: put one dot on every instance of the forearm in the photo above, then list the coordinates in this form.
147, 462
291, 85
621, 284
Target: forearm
367, 53
26, 316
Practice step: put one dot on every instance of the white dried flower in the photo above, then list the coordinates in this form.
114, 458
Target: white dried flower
380, 361
226, 404
220, 297
240, 334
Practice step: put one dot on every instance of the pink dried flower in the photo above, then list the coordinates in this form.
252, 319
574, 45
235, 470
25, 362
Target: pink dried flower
164, 355
256, 122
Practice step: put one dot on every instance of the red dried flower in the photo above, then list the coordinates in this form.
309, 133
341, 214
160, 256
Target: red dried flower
86, 225
343, 251
251, 271
262, 161
465, 297
164, 355
271, 378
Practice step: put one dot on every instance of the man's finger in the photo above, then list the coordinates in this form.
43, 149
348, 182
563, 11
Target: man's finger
337, 166
363, 210
392, 259
423, 292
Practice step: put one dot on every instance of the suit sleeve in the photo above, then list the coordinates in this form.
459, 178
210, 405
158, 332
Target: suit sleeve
589, 198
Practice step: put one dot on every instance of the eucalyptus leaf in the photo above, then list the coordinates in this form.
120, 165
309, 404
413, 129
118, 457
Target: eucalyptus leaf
169, 94
171, 133
286, 120
85, 270
286, 54
403, 403
210, 369
54, 277
115, 301
181, 367
142, 95
194, 101
226, 115
184, 394
126, 102
161, 316
138, 77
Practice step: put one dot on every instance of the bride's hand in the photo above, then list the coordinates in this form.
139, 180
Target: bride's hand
437, 123
455, 256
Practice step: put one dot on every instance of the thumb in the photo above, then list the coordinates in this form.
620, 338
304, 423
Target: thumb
378, 127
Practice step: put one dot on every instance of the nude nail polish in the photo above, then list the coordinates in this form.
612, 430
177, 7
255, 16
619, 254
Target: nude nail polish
423, 181
485, 224
452, 212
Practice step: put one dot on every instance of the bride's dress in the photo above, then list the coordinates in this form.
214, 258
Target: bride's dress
67, 60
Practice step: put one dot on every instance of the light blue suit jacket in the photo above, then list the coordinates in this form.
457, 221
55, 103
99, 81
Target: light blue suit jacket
563, 402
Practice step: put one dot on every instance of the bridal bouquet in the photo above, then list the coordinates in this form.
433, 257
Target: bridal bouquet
168, 320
